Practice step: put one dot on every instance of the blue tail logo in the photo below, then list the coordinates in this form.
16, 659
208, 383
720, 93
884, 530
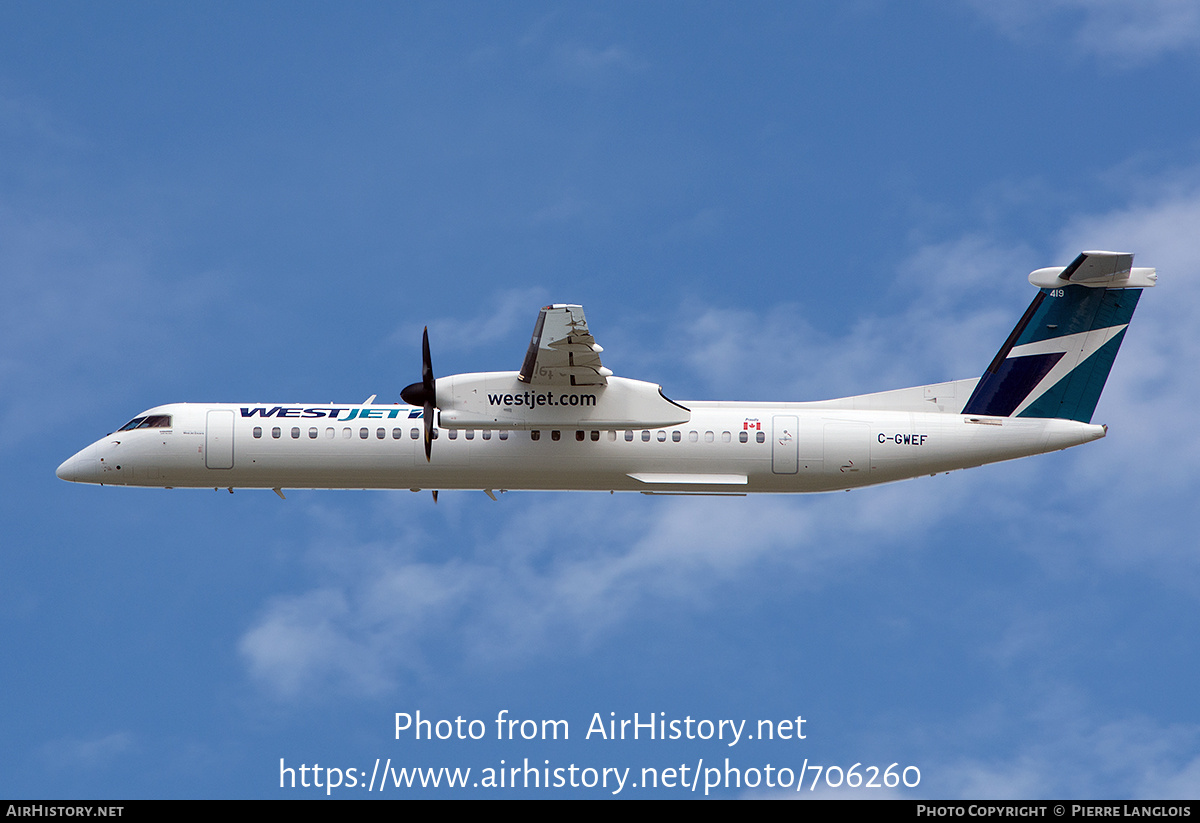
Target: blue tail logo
1056, 360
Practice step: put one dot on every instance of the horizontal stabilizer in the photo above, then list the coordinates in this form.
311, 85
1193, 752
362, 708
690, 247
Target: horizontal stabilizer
1097, 270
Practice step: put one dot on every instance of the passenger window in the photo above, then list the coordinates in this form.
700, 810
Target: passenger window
257, 431
579, 435
676, 436
363, 434
295, 432
504, 435
312, 433
743, 437
329, 433
453, 434
486, 434
535, 434
415, 434
693, 437
708, 437
346, 433
645, 436
396, 434
555, 434
760, 437
628, 437
662, 437
380, 434
469, 434
612, 435
595, 437
726, 437
275, 432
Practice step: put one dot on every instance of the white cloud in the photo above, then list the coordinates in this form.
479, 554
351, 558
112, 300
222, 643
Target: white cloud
955, 304
509, 311
561, 570
1065, 753
1151, 457
566, 58
87, 753
1120, 32
303, 638
592, 63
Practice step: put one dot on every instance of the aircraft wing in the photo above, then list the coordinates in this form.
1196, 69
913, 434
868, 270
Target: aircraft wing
562, 352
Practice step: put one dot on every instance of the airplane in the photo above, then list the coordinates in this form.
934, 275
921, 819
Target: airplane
565, 422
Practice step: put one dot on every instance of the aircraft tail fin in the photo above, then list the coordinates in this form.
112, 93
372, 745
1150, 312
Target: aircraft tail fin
1056, 360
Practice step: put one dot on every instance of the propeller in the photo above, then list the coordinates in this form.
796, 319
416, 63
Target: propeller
424, 393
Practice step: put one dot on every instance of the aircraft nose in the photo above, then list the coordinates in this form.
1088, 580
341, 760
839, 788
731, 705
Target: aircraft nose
68, 469
81, 467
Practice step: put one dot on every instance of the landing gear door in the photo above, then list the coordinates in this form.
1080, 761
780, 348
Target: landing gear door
218, 439
785, 444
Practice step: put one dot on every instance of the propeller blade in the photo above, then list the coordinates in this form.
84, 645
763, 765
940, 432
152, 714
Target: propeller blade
426, 366
424, 394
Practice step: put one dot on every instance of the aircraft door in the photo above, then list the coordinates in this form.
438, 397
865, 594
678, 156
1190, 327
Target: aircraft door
218, 439
785, 444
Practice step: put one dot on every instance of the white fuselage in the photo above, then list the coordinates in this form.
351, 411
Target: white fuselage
725, 448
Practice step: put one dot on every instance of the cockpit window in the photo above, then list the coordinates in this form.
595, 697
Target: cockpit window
151, 421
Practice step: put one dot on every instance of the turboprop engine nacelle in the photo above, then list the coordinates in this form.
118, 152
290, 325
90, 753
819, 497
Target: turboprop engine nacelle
499, 400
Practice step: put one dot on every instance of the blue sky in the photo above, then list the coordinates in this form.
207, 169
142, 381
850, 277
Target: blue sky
793, 201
